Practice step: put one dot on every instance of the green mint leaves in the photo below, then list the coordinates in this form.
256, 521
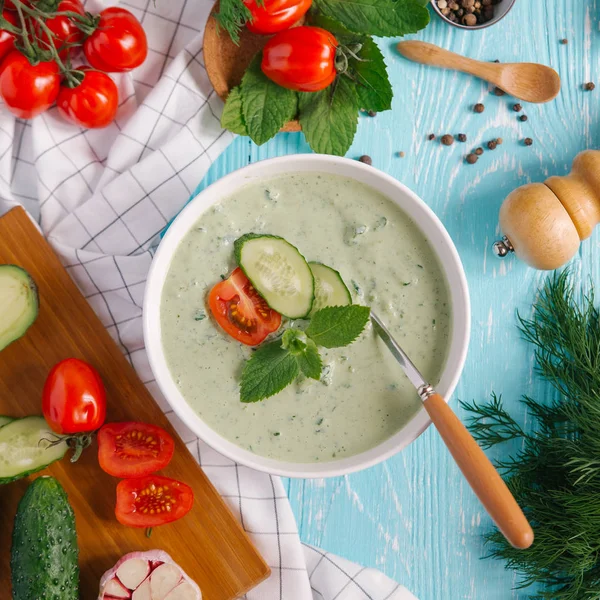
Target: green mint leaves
266, 106
383, 18
276, 365
232, 117
374, 90
337, 326
329, 118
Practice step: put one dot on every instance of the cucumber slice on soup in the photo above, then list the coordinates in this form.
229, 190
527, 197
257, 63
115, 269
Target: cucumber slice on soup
18, 303
5, 420
330, 289
25, 448
278, 272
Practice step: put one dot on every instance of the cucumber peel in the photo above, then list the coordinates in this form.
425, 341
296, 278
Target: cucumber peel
44, 553
330, 289
278, 272
26, 447
19, 303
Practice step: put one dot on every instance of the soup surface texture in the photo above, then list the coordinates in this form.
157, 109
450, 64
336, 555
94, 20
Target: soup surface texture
363, 397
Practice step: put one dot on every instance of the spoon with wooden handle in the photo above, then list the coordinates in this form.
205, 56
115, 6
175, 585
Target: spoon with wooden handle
474, 464
530, 82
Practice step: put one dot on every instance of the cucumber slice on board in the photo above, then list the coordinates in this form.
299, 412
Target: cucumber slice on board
44, 553
330, 289
278, 272
19, 303
5, 420
23, 449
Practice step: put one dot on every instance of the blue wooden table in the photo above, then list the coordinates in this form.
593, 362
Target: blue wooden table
414, 517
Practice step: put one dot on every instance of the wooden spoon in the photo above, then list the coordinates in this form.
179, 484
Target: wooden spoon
527, 81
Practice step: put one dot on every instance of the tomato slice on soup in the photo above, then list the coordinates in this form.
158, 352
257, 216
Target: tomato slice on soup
241, 311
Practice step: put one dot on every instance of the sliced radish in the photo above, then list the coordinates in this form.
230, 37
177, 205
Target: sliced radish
163, 579
132, 572
115, 589
148, 575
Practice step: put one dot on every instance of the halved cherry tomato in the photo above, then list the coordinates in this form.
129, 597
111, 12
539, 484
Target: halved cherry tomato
131, 450
28, 90
64, 28
93, 103
7, 39
152, 501
241, 311
272, 16
118, 44
74, 399
301, 59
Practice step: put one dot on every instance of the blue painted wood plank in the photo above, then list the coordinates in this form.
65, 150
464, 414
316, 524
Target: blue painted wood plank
414, 517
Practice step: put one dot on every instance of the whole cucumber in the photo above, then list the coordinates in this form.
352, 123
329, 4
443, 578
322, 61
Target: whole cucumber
44, 549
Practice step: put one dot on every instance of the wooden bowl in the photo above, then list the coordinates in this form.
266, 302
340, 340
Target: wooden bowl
225, 62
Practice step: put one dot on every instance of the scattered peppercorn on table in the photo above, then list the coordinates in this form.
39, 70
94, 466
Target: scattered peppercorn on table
414, 515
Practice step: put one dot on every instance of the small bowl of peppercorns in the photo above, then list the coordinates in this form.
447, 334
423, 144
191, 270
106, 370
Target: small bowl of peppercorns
472, 14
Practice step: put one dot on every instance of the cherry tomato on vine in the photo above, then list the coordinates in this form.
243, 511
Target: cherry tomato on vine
152, 501
118, 44
7, 39
10, 6
64, 28
240, 311
301, 59
28, 90
93, 103
275, 15
73, 399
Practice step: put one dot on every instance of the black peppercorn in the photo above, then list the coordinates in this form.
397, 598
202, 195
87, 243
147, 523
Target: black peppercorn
492, 144
479, 151
499, 92
431, 136
462, 137
447, 140
472, 158
479, 108
517, 107
528, 141
564, 41
589, 86
523, 118
366, 159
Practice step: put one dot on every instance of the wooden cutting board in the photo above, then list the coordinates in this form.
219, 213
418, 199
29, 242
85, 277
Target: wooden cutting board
208, 543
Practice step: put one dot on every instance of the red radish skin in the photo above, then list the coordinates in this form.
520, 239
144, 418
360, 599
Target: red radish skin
151, 575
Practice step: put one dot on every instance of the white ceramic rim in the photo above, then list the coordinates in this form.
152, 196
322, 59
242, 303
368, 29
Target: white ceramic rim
418, 211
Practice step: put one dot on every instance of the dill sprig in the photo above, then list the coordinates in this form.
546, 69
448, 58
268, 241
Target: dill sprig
555, 476
232, 15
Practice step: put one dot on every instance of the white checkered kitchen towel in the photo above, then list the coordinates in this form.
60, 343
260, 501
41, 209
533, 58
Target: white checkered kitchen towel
102, 197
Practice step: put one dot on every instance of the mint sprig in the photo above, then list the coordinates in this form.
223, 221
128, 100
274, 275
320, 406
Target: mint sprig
276, 365
232, 117
374, 89
382, 18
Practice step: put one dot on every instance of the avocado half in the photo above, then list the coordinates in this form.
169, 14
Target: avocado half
19, 303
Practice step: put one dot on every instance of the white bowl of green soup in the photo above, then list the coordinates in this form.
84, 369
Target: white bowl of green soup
382, 247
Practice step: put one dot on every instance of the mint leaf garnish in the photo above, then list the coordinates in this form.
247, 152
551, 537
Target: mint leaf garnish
304, 350
384, 18
270, 369
329, 118
375, 91
336, 326
232, 117
266, 106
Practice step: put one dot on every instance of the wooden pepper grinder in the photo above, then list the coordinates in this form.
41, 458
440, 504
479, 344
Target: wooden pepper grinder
544, 223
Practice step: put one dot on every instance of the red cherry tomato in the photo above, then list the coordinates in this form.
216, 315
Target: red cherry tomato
64, 29
131, 450
152, 501
301, 59
93, 103
119, 43
275, 15
28, 90
10, 6
7, 39
240, 311
74, 400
